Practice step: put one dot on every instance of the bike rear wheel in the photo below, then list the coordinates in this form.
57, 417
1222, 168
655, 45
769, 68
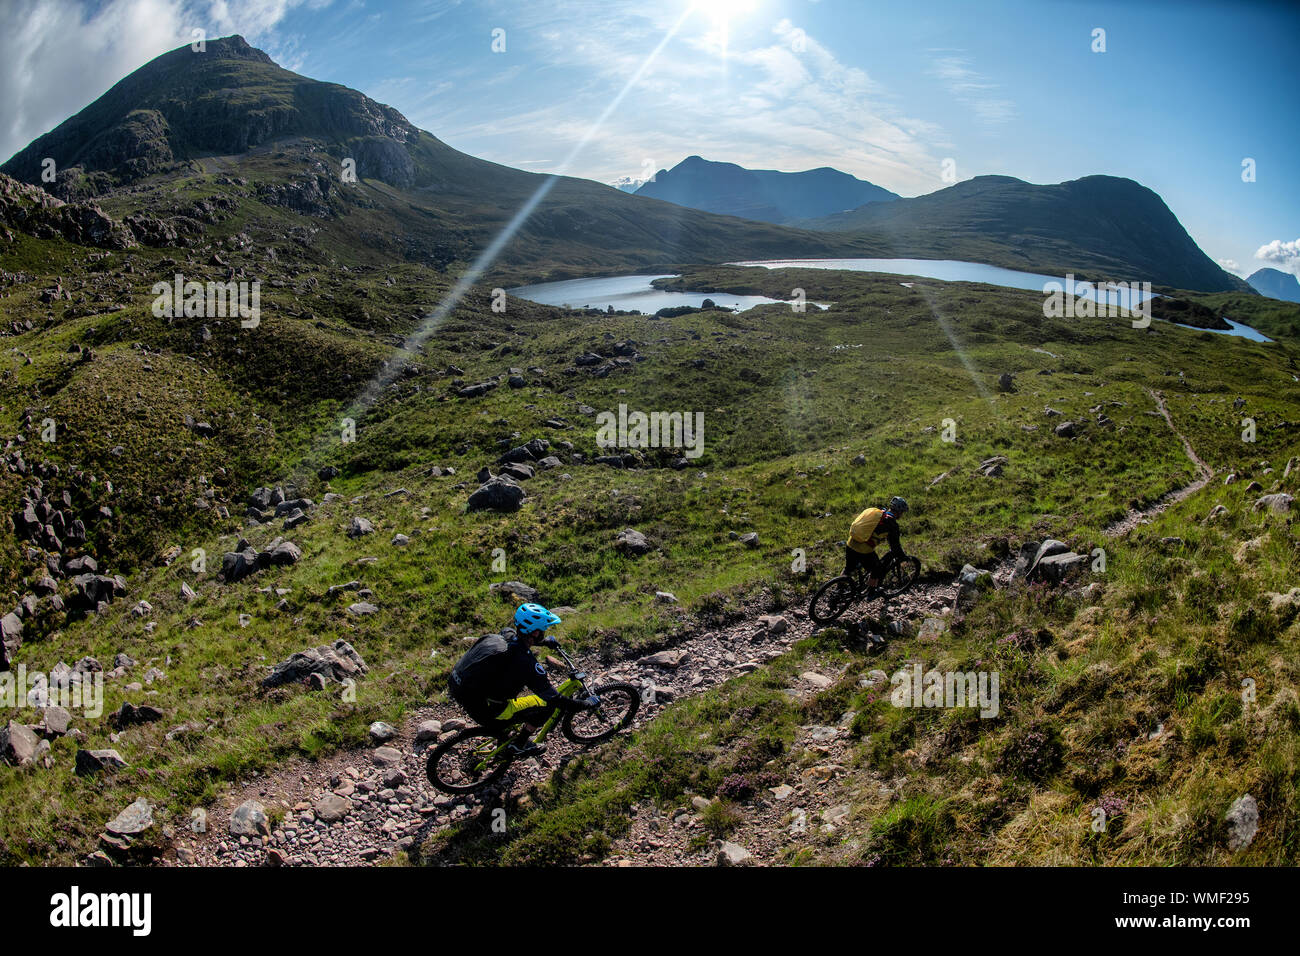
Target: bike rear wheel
462, 764
899, 577
832, 599
618, 705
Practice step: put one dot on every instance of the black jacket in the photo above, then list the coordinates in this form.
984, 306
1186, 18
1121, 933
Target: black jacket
889, 527
496, 668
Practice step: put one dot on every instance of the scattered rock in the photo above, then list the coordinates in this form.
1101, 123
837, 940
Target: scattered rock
249, 819
135, 819
335, 662
89, 762
631, 542
1278, 504
731, 854
499, 493
332, 808
1243, 822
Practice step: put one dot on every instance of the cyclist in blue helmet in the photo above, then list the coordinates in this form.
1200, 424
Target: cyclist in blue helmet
488, 679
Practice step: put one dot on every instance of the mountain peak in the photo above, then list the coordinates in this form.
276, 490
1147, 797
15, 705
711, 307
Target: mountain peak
767, 195
221, 100
1275, 284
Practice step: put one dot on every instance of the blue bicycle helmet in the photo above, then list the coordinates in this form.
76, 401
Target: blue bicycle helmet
534, 617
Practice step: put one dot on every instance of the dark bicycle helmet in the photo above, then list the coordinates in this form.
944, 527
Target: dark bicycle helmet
897, 506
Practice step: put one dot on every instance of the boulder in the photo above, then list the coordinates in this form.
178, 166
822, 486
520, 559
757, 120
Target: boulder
130, 714
1024, 560
499, 493
359, 527
1279, 504
428, 732
1243, 822
18, 744
236, 565
971, 581
731, 854
517, 590
135, 819
518, 471
1049, 547
334, 662
666, 659
54, 721
332, 807
1057, 567
992, 467
90, 762
249, 819
632, 542
1067, 430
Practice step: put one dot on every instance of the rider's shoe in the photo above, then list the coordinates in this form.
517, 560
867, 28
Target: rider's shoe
525, 749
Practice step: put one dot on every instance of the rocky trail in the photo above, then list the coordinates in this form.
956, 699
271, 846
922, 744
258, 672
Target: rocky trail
1138, 516
360, 807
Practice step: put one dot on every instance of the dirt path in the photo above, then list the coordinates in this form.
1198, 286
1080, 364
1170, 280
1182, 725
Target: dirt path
1137, 516
393, 806
390, 805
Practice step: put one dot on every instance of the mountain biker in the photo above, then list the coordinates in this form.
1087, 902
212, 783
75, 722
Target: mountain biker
867, 530
487, 680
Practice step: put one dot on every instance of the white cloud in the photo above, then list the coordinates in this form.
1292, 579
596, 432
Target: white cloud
1230, 265
971, 88
58, 56
771, 102
1281, 253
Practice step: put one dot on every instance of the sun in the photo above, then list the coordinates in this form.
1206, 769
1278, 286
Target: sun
723, 13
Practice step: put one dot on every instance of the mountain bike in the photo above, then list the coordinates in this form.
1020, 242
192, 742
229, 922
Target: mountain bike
476, 758
897, 575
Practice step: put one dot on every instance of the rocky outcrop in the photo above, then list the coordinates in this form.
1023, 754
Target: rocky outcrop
332, 662
499, 493
35, 212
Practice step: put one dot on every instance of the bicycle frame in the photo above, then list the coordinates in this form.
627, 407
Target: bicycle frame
570, 687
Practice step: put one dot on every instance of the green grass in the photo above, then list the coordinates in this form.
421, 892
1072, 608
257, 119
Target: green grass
789, 400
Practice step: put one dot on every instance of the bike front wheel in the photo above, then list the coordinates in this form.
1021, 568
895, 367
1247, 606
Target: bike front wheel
899, 577
618, 705
464, 763
833, 599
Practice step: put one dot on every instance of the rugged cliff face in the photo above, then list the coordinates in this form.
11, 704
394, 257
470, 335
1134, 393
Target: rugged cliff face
37, 213
227, 99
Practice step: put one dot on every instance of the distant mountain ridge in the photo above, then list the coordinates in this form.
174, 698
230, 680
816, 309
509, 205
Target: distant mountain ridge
185, 117
1108, 226
231, 109
767, 195
1275, 284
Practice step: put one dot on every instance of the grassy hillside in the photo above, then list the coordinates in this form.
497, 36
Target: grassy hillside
1101, 227
789, 399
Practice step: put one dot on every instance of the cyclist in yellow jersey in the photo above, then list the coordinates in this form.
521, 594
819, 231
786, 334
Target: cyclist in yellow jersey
868, 529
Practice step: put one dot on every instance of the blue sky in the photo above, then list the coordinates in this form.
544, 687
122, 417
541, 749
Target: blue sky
1184, 92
